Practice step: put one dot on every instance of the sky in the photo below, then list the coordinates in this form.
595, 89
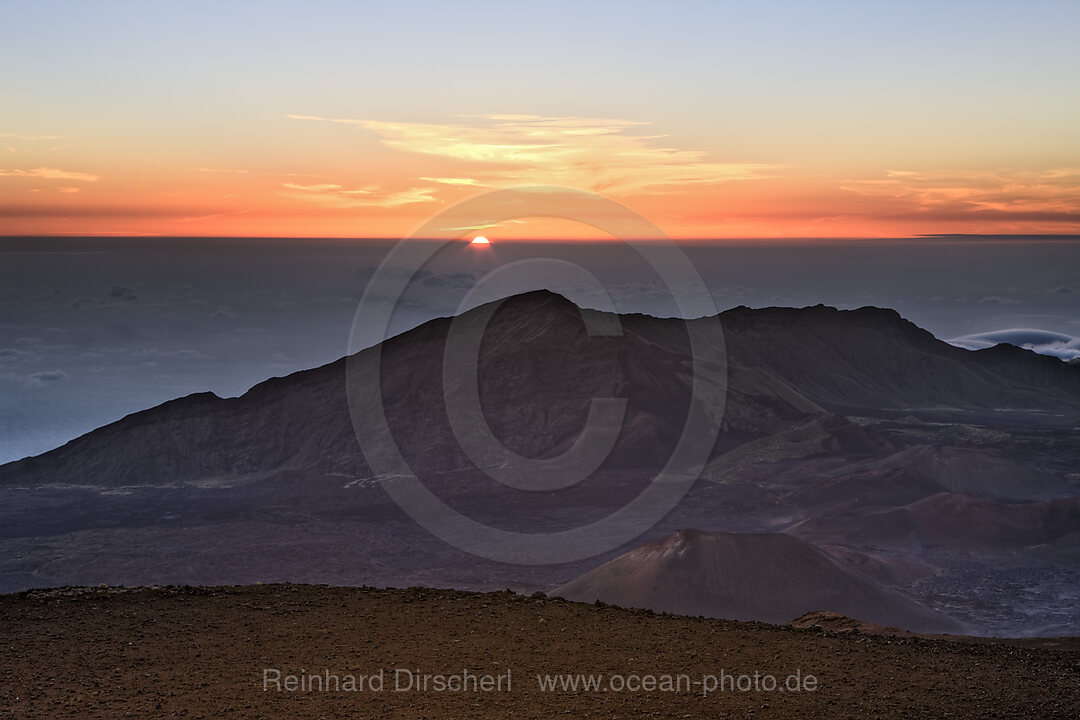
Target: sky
712, 119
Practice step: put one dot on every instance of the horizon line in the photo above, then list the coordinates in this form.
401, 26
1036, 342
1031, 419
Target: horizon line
578, 239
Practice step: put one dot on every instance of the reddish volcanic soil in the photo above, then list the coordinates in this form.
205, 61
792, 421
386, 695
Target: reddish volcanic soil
201, 653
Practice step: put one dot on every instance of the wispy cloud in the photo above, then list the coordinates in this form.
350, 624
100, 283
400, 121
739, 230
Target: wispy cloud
332, 188
240, 171
210, 216
344, 121
464, 182
597, 153
47, 173
1029, 194
337, 196
998, 300
46, 377
226, 171
19, 144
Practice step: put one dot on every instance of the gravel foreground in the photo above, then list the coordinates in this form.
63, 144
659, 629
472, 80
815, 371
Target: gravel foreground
230, 652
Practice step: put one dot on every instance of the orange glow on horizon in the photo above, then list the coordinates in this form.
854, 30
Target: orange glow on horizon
409, 172
145, 119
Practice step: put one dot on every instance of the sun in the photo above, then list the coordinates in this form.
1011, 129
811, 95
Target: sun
480, 240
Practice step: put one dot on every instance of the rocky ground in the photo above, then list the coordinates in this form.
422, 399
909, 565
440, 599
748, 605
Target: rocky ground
210, 652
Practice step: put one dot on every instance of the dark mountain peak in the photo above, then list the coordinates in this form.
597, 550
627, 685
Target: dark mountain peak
866, 315
539, 298
528, 315
873, 311
539, 369
534, 307
1007, 350
873, 358
1028, 367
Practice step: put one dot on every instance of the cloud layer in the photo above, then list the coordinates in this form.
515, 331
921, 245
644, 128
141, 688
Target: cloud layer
47, 173
595, 153
1058, 345
1025, 195
330, 195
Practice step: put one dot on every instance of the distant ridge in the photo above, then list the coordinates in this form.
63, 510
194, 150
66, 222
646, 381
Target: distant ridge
539, 369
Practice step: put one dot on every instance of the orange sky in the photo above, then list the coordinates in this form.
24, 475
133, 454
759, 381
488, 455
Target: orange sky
139, 120
416, 170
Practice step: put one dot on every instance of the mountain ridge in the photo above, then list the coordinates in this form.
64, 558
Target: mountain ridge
785, 366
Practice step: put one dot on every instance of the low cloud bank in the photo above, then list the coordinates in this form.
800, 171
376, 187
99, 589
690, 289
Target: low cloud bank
1059, 345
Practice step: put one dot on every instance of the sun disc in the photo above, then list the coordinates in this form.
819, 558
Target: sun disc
480, 240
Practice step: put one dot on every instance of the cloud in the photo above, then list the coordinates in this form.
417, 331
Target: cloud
330, 187
16, 143
118, 292
394, 272
452, 280
47, 377
345, 121
1059, 345
238, 171
596, 153
47, 173
9, 354
337, 196
1027, 195
69, 190
185, 354
226, 171
468, 182
23, 209
16, 136
211, 216
998, 300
